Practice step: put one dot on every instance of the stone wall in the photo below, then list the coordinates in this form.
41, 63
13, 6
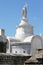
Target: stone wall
12, 60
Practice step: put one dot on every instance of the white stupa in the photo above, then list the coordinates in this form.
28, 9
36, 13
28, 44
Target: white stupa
24, 29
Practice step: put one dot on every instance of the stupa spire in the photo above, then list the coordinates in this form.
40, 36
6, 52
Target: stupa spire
24, 11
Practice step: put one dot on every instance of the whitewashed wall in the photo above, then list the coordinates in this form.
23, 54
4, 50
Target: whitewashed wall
21, 49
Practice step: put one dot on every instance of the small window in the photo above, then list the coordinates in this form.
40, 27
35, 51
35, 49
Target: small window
15, 51
23, 51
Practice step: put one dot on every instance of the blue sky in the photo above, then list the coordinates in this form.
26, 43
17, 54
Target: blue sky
11, 13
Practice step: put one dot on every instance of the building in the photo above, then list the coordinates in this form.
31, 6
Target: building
21, 47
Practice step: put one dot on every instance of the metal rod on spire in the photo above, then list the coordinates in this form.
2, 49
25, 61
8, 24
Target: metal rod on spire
24, 11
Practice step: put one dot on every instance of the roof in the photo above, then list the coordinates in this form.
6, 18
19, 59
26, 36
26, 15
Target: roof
13, 39
40, 55
28, 39
31, 60
12, 54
